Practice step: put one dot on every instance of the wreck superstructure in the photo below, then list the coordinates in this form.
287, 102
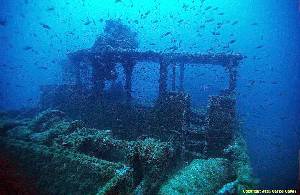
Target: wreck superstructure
126, 147
201, 132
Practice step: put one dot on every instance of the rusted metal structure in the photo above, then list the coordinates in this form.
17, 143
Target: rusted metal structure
121, 147
100, 140
209, 136
129, 59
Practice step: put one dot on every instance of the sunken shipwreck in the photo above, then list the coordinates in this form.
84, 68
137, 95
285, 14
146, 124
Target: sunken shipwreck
88, 137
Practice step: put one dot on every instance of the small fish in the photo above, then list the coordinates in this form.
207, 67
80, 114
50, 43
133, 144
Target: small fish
87, 22
166, 34
221, 14
259, 46
254, 24
216, 33
210, 20
262, 81
155, 21
252, 82
26, 48
70, 32
232, 41
173, 48
235, 22
43, 67
51, 9
118, 1
283, 118
46, 26
3, 22
179, 21
185, 6
209, 7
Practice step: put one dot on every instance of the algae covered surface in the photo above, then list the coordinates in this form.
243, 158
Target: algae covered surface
201, 176
57, 171
61, 156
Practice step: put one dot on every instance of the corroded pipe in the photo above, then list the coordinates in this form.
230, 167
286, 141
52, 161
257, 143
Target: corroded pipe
163, 75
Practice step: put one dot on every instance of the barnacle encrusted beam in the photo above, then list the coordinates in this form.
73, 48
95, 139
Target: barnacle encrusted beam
155, 56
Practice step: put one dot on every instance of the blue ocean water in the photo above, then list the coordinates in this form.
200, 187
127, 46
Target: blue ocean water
36, 35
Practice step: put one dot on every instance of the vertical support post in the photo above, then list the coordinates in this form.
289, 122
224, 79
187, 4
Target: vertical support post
98, 78
128, 68
98, 82
163, 73
77, 74
76, 64
174, 77
232, 68
181, 77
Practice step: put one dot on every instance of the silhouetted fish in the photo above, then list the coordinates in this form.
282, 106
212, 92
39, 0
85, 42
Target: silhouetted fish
235, 22
185, 6
147, 13
173, 48
166, 34
46, 26
26, 48
43, 67
3, 22
252, 82
209, 7
51, 9
232, 41
210, 20
87, 22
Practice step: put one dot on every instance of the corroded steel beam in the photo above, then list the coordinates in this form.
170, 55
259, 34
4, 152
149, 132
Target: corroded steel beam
120, 56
